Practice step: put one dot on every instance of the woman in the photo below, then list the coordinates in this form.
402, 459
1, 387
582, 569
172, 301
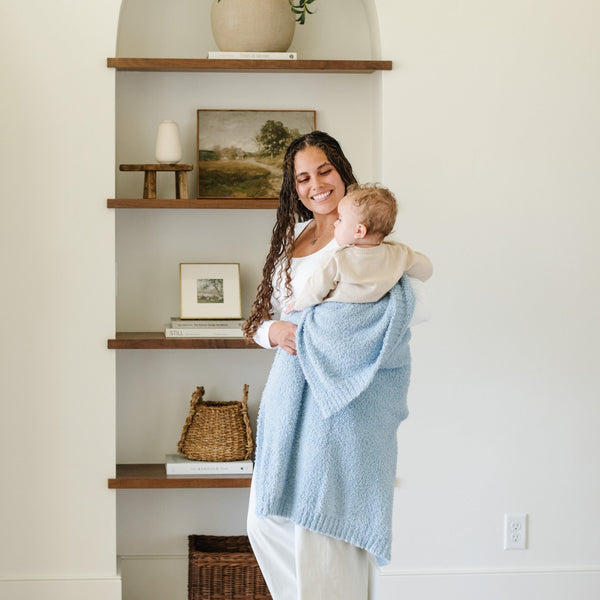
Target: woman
315, 177
326, 439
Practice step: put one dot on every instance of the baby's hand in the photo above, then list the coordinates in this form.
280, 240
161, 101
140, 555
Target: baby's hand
291, 307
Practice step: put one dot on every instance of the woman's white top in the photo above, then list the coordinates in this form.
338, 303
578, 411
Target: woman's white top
301, 269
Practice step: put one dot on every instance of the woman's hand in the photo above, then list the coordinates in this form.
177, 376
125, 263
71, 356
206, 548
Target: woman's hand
283, 334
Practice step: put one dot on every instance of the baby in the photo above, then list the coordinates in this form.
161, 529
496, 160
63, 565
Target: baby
366, 266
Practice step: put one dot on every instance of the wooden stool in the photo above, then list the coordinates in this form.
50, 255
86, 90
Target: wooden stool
181, 188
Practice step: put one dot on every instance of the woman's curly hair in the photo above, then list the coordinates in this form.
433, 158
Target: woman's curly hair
290, 212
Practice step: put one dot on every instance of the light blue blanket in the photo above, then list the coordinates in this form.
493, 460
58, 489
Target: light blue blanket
326, 435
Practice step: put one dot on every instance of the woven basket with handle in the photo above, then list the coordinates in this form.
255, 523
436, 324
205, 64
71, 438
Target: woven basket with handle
217, 431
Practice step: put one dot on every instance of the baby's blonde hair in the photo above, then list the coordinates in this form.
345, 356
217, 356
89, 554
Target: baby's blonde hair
377, 207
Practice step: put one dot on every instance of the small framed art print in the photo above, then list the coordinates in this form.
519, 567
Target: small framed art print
210, 291
240, 152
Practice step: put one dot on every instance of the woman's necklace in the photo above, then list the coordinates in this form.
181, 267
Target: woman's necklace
311, 232
316, 237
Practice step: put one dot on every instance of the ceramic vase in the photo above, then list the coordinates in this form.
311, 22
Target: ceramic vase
252, 25
168, 143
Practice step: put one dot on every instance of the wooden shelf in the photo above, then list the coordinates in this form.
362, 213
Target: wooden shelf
136, 477
156, 340
249, 203
274, 66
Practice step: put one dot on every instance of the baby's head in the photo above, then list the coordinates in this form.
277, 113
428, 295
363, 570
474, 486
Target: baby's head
368, 209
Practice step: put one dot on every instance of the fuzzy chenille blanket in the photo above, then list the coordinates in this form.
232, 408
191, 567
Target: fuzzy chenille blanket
326, 435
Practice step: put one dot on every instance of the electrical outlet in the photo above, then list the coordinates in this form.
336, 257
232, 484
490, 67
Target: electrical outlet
515, 531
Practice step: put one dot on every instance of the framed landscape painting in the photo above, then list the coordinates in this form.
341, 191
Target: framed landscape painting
210, 291
240, 152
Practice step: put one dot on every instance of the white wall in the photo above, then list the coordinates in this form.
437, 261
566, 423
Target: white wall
57, 517
490, 139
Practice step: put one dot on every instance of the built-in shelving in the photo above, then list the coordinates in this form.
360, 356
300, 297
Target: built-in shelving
156, 340
154, 476
274, 66
195, 203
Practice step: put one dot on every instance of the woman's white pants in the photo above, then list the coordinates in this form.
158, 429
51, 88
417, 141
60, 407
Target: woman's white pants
299, 564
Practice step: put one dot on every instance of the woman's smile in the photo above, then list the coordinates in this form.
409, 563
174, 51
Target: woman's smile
322, 196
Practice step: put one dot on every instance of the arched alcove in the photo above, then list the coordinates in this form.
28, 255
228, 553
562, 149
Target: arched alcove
154, 387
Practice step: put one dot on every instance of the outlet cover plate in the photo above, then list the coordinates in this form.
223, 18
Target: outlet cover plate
515, 531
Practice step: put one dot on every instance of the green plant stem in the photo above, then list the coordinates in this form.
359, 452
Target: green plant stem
301, 9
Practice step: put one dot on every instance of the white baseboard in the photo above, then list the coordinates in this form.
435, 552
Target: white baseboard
157, 577
582, 583
61, 589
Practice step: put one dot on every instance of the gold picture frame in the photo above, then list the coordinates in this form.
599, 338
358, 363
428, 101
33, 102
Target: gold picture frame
210, 291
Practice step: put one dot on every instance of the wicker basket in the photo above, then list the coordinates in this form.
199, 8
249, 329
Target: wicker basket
217, 431
224, 568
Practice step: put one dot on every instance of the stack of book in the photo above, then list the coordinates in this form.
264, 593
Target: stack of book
175, 464
204, 328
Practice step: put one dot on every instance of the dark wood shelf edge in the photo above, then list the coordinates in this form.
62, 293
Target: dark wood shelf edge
153, 476
194, 203
158, 341
278, 66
